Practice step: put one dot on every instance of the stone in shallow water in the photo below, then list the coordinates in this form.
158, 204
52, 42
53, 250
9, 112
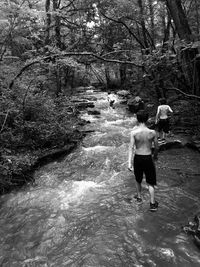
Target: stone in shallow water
164, 145
94, 112
123, 93
135, 104
193, 228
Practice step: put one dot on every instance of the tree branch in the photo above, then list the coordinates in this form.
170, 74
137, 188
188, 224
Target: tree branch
2, 127
71, 54
181, 92
129, 30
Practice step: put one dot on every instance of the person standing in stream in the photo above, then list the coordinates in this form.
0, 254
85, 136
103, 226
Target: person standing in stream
111, 99
162, 120
142, 156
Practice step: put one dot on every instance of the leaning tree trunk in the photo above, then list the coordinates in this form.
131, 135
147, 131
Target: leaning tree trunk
48, 21
166, 30
122, 70
152, 16
197, 6
107, 76
58, 80
190, 63
142, 21
56, 5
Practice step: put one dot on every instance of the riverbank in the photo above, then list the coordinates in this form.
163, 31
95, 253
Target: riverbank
17, 166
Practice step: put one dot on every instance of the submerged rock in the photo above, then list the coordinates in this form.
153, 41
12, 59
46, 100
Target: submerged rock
194, 143
193, 228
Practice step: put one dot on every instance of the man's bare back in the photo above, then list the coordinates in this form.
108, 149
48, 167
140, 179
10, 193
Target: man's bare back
143, 138
162, 112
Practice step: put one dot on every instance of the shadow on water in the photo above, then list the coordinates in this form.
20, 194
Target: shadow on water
80, 211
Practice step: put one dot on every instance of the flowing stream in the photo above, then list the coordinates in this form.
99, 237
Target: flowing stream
78, 212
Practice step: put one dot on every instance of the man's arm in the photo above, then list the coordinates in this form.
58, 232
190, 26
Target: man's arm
170, 110
131, 152
155, 151
157, 115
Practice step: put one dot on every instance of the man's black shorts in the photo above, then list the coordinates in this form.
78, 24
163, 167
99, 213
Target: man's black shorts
144, 164
163, 125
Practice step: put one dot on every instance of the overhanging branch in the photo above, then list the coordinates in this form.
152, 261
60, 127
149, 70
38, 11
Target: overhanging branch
119, 21
181, 92
39, 60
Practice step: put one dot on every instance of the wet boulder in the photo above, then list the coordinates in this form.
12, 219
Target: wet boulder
194, 143
123, 96
93, 112
193, 228
91, 87
169, 144
80, 89
135, 104
83, 89
123, 93
84, 105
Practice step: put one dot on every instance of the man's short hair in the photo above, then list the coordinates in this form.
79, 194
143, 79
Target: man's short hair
162, 101
142, 116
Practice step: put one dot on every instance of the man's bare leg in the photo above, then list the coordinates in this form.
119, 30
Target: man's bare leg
152, 193
139, 189
163, 135
153, 202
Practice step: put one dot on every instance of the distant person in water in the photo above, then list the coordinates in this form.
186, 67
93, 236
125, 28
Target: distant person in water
162, 120
111, 99
141, 158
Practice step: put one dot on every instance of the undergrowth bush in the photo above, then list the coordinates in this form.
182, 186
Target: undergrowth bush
32, 122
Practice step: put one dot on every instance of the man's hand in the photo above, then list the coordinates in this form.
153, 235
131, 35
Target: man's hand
130, 168
155, 157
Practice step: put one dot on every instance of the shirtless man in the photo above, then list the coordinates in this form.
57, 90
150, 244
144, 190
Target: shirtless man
162, 119
141, 158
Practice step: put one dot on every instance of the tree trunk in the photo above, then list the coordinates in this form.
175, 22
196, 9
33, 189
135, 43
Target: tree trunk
151, 11
166, 31
140, 4
180, 20
48, 21
58, 81
107, 74
197, 16
190, 67
56, 4
122, 70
